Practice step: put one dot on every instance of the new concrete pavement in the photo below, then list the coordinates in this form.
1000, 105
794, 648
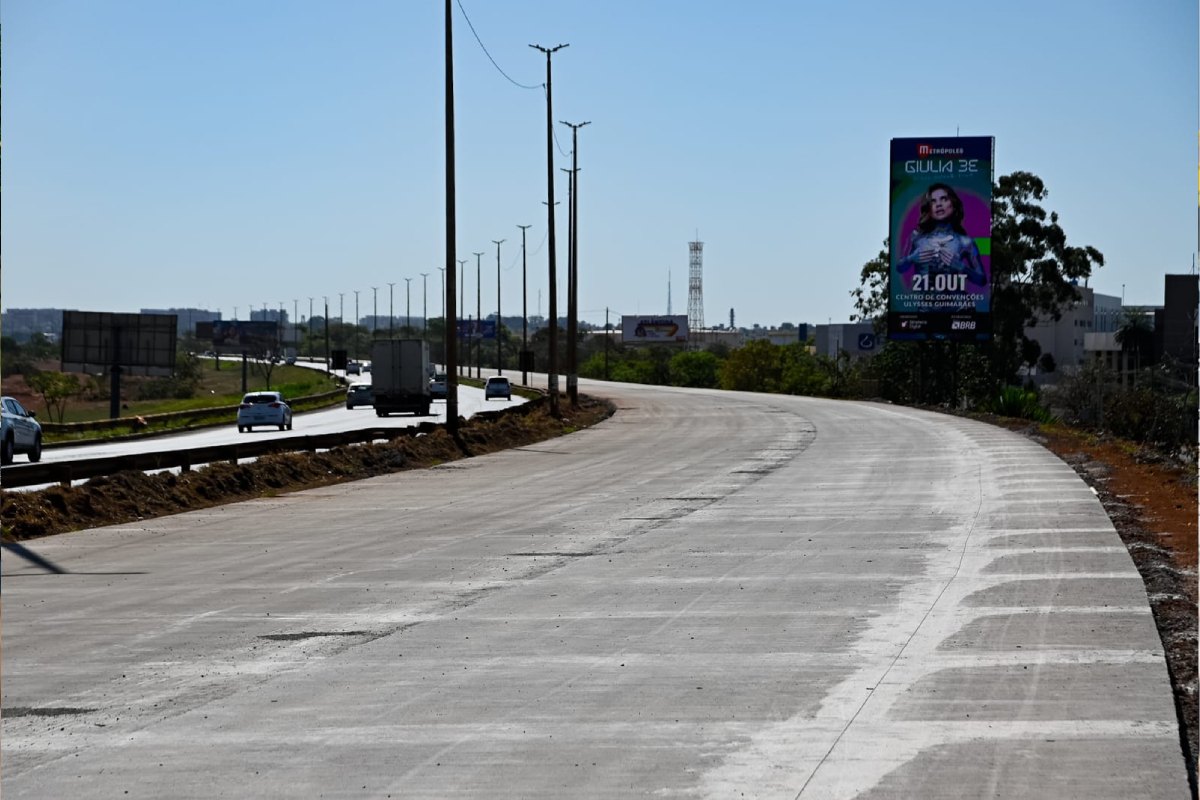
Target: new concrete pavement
710, 595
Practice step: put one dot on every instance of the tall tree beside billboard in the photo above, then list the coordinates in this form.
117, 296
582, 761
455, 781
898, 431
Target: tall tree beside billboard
940, 239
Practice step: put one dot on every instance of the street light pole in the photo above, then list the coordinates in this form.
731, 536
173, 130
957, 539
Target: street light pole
524, 311
391, 312
573, 280
451, 228
445, 319
499, 363
342, 319
408, 306
357, 317
425, 305
553, 367
478, 319
374, 311
462, 311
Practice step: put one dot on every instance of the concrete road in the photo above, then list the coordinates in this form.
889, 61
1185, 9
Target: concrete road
710, 595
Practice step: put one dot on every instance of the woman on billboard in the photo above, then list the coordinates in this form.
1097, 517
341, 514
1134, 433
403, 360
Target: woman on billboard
941, 254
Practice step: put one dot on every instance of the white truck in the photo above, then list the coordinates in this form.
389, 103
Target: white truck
400, 376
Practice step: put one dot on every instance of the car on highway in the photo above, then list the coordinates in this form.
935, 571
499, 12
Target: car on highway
353, 368
497, 386
21, 430
359, 394
437, 386
264, 408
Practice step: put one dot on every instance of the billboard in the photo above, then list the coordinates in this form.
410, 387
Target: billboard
940, 237
140, 344
654, 330
477, 329
234, 337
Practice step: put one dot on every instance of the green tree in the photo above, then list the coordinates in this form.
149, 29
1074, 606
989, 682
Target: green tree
1135, 334
694, 368
753, 368
1034, 270
871, 294
56, 388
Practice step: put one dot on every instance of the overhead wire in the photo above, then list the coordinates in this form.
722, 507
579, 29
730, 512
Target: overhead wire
489, 55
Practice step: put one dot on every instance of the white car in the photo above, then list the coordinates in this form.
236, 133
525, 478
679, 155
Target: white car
264, 408
22, 433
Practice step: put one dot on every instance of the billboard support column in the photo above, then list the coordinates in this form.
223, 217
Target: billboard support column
114, 373
114, 392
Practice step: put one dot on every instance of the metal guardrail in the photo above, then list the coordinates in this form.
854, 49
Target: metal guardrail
199, 415
64, 472
16, 475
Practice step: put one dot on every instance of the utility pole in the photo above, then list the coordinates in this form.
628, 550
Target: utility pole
451, 233
425, 305
342, 319
573, 272
478, 320
553, 288
327, 365
499, 363
524, 311
391, 310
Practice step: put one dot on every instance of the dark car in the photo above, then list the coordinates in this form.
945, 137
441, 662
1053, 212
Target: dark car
359, 394
497, 386
437, 386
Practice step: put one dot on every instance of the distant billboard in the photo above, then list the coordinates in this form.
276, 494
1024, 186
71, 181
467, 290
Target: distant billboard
671, 329
140, 344
477, 329
940, 239
234, 337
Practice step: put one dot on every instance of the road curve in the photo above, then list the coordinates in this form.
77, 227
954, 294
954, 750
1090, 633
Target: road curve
709, 595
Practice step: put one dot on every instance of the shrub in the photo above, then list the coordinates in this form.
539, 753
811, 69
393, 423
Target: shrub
1022, 404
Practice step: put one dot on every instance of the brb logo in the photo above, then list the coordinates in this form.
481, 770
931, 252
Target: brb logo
962, 325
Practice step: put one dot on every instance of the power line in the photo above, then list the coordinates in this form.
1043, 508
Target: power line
489, 55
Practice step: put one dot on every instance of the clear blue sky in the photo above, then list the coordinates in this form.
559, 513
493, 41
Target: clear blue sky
226, 153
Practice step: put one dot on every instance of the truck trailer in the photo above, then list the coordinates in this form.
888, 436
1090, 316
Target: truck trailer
400, 376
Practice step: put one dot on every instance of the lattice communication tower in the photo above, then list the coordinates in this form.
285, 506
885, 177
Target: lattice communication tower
695, 287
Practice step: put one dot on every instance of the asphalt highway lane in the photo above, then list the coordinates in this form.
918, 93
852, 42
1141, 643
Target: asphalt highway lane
709, 595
